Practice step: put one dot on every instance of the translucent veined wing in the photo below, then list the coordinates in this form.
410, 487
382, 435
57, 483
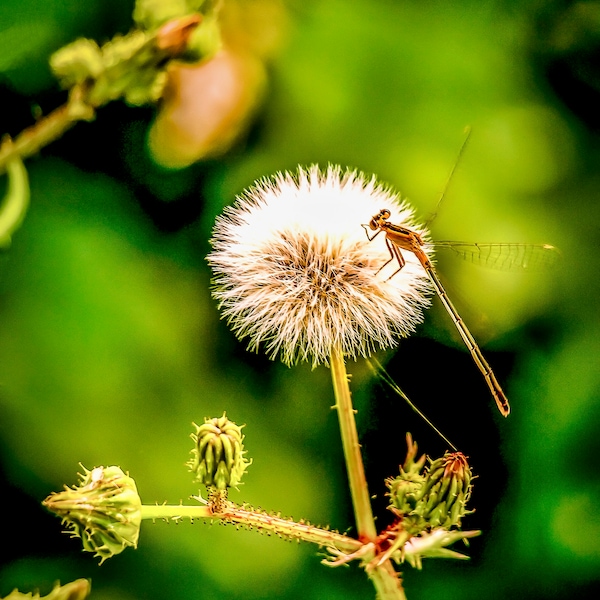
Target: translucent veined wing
503, 256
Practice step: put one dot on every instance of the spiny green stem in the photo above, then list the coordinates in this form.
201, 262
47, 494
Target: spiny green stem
257, 520
175, 512
354, 464
387, 582
384, 576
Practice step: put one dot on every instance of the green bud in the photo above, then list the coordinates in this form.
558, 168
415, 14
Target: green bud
429, 503
446, 491
134, 66
405, 490
431, 497
218, 456
104, 510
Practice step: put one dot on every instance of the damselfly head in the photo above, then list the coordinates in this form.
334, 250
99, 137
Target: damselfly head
378, 219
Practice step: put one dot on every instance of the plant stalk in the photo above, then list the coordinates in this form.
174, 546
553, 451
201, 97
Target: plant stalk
256, 520
384, 576
356, 472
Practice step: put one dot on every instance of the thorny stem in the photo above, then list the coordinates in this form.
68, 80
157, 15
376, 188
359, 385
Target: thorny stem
354, 464
387, 582
384, 577
257, 520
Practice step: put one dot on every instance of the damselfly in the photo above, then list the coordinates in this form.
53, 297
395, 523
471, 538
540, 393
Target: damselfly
507, 256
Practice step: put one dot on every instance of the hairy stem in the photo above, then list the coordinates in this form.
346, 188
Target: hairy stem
384, 577
354, 464
387, 582
257, 520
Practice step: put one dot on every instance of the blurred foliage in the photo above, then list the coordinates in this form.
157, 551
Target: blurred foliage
110, 345
76, 590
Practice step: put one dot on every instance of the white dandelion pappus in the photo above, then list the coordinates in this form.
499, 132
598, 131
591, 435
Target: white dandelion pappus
294, 270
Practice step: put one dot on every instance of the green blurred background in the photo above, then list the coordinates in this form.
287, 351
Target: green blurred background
110, 344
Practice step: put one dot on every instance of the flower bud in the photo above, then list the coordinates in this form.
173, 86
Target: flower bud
218, 457
77, 62
405, 490
435, 498
104, 511
447, 490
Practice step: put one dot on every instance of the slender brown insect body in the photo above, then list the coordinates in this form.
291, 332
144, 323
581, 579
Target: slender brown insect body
398, 238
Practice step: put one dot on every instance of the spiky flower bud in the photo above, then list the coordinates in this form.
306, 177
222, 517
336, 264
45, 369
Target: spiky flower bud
447, 490
406, 489
435, 498
218, 456
104, 510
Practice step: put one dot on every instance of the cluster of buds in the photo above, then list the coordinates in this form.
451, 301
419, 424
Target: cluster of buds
104, 510
134, 66
429, 503
218, 459
433, 496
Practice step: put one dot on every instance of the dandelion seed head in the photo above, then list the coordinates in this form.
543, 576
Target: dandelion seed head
296, 275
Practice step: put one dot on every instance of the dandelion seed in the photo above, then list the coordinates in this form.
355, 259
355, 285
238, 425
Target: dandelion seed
296, 275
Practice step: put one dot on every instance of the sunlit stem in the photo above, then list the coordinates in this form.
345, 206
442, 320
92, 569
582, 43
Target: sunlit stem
255, 520
354, 463
384, 577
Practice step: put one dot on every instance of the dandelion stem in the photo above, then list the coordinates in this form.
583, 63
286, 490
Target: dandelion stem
384, 577
354, 464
